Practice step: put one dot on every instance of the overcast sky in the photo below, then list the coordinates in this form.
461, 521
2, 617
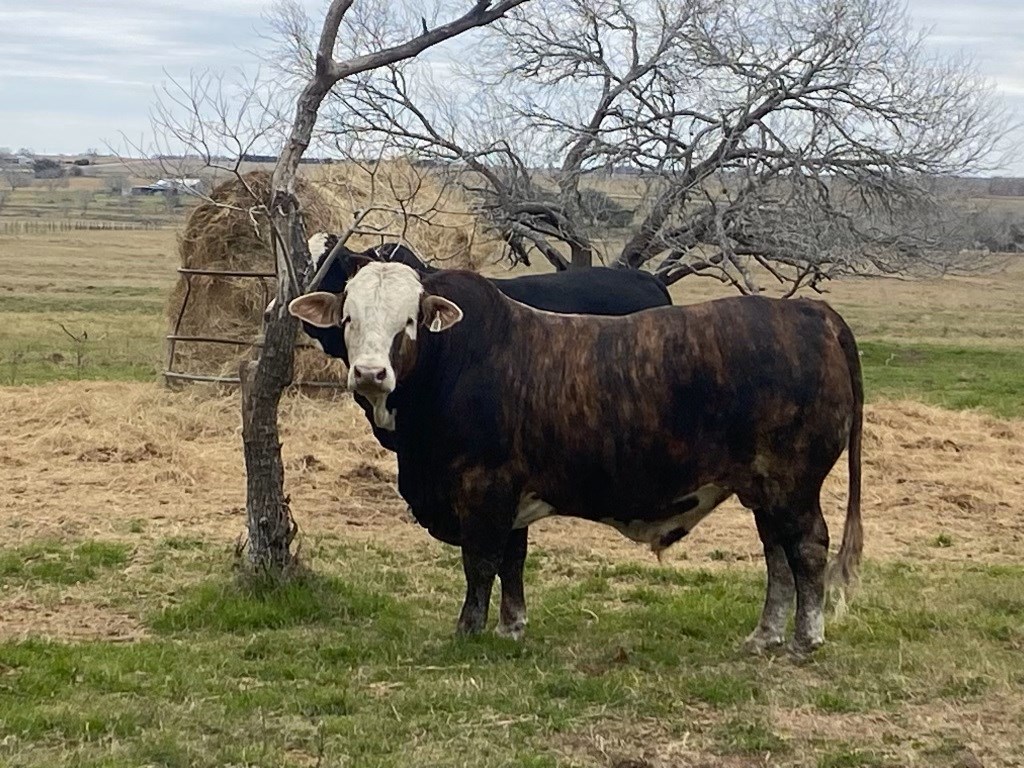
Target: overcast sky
74, 74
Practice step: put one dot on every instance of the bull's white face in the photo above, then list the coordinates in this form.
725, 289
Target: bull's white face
381, 307
381, 312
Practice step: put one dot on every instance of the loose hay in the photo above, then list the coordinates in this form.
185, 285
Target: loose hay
232, 234
83, 459
411, 205
21, 618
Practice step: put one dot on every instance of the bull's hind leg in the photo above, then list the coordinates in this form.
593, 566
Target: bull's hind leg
513, 595
778, 601
804, 538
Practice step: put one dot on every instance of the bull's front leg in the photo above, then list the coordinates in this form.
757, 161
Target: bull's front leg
513, 595
485, 533
480, 562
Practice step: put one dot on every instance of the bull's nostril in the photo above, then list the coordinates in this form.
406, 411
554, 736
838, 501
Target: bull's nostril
369, 375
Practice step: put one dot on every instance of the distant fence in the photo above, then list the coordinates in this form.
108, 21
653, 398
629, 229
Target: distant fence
43, 227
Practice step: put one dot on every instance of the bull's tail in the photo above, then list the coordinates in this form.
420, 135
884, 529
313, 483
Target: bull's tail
843, 571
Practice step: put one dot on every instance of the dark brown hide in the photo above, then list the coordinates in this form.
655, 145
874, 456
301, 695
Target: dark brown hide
625, 420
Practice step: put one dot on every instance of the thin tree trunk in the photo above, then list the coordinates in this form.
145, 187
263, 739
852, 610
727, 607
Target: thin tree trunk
270, 523
582, 256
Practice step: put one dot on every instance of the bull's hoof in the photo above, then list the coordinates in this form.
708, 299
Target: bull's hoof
805, 646
469, 628
759, 642
515, 630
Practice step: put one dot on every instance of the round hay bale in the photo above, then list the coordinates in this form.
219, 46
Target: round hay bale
232, 233
406, 203
412, 205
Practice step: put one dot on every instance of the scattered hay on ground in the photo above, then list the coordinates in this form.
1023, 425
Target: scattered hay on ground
85, 459
22, 617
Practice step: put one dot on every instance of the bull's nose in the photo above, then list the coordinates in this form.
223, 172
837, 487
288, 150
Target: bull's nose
368, 375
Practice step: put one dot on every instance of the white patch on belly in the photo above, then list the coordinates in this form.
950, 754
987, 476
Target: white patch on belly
530, 510
653, 532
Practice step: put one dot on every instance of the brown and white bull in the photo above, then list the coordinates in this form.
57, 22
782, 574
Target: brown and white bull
506, 414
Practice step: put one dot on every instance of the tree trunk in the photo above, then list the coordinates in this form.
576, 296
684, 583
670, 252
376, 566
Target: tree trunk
582, 256
270, 523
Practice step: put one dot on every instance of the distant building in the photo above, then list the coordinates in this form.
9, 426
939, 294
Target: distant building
170, 187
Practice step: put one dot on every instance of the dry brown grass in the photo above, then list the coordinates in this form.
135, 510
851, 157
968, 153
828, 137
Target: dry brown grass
87, 459
68, 619
74, 262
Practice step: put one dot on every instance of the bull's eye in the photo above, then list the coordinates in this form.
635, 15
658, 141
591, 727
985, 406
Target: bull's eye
410, 323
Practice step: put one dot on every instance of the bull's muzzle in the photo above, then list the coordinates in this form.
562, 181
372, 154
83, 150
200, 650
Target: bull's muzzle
370, 380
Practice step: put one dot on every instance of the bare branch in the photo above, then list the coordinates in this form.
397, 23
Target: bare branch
798, 140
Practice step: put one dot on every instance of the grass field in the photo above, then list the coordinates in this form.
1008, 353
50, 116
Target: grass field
126, 639
626, 662
86, 199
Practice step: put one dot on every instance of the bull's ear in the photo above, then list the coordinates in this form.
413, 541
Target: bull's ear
357, 261
438, 313
320, 308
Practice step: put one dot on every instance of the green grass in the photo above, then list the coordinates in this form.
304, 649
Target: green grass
52, 562
118, 343
949, 376
357, 664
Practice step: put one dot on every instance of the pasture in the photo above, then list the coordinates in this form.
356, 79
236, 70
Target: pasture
126, 640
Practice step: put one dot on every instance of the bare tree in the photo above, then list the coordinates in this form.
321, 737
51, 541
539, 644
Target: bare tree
269, 518
84, 198
15, 179
116, 184
791, 141
53, 182
221, 124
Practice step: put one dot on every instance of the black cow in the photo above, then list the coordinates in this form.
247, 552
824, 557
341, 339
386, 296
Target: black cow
646, 422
